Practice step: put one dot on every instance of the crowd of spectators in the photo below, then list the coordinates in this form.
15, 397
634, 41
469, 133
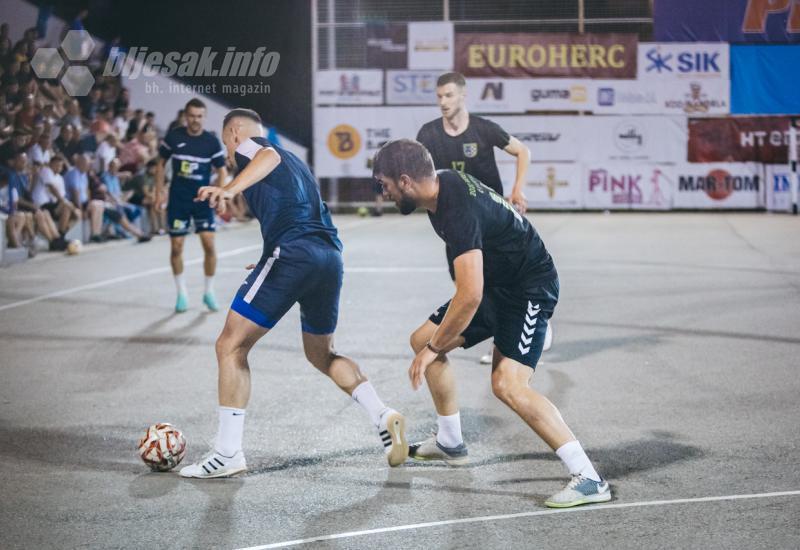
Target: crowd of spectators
68, 160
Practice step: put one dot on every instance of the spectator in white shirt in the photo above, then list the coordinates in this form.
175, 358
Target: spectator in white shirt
52, 182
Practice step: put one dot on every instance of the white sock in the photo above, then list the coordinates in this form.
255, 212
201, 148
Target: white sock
209, 284
366, 396
230, 431
449, 432
574, 458
180, 284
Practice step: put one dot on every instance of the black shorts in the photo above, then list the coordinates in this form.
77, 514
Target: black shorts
182, 210
51, 207
516, 319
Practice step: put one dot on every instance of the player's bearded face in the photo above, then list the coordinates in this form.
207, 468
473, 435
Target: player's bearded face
405, 204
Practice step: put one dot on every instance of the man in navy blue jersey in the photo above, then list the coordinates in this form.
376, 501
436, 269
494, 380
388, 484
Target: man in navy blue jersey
301, 263
194, 152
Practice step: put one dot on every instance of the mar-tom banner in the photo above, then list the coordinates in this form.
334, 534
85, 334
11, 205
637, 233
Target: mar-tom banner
775, 21
739, 139
705, 186
548, 186
536, 55
346, 138
627, 186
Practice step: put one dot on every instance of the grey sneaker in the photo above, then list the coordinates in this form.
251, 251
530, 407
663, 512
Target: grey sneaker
580, 490
430, 449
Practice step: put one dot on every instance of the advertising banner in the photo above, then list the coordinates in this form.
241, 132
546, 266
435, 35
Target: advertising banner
411, 87
548, 186
349, 87
627, 186
346, 138
661, 96
763, 21
705, 186
430, 45
387, 45
675, 60
537, 55
739, 139
778, 181
628, 138
766, 79
549, 138
496, 95
557, 94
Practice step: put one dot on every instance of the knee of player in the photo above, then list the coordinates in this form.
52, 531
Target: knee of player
227, 346
418, 340
503, 386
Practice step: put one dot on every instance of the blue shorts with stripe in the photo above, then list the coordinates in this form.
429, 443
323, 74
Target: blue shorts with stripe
304, 271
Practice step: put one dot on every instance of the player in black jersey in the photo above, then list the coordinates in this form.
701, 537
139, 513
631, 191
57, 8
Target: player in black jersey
464, 142
506, 288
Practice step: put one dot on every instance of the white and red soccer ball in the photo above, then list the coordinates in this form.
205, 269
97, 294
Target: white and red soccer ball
162, 447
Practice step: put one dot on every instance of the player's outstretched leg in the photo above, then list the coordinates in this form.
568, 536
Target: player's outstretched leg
176, 261
510, 383
345, 373
209, 268
233, 345
448, 443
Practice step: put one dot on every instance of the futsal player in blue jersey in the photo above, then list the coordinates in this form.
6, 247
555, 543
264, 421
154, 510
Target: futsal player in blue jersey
193, 152
301, 263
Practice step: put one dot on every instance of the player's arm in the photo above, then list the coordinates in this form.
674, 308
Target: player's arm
469, 293
159, 182
264, 161
222, 175
517, 149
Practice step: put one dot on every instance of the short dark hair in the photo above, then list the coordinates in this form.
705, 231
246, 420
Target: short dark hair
403, 156
451, 78
196, 103
241, 112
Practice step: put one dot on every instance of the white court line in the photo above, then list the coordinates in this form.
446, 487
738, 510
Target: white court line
520, 515
121, 279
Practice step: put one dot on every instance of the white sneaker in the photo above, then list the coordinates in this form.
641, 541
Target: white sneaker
392, 431
215, 464
580, 490
548, 337
431, 449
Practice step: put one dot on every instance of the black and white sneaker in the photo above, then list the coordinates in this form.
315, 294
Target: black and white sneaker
215, 464
392, 431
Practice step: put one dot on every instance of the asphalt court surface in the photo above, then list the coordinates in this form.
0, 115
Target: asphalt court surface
675, 361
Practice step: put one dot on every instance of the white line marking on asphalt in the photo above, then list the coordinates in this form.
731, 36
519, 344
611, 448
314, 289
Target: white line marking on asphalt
598, 507
121, 279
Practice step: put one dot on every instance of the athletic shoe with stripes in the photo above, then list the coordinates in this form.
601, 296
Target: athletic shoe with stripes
431, 449
580, 490
392, 431
215, 464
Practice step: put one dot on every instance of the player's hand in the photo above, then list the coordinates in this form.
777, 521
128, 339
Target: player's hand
210, 193
418, 367
159, 203
519, 203
250, 266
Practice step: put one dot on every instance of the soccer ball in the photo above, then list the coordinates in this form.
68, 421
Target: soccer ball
162, 447
74, 247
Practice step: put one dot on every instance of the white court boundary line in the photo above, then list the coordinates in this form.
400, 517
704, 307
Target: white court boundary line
520, 515
121, 279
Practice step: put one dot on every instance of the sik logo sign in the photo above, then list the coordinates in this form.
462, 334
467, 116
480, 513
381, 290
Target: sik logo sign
682, 63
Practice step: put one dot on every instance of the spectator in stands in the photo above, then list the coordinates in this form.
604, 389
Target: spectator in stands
20, 178
17, 228
26, 116
141, 192
120, 124
106, 152
73, 116
117, 210
98, 130
5, 37
91, 102
18, 143
61, 210
42, 150
134, 153
123, 101
67, 142
180, 120
135, 122
76, 182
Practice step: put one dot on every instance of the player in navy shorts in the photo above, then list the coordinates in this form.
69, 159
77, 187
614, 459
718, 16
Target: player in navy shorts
194, 152
301, 263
